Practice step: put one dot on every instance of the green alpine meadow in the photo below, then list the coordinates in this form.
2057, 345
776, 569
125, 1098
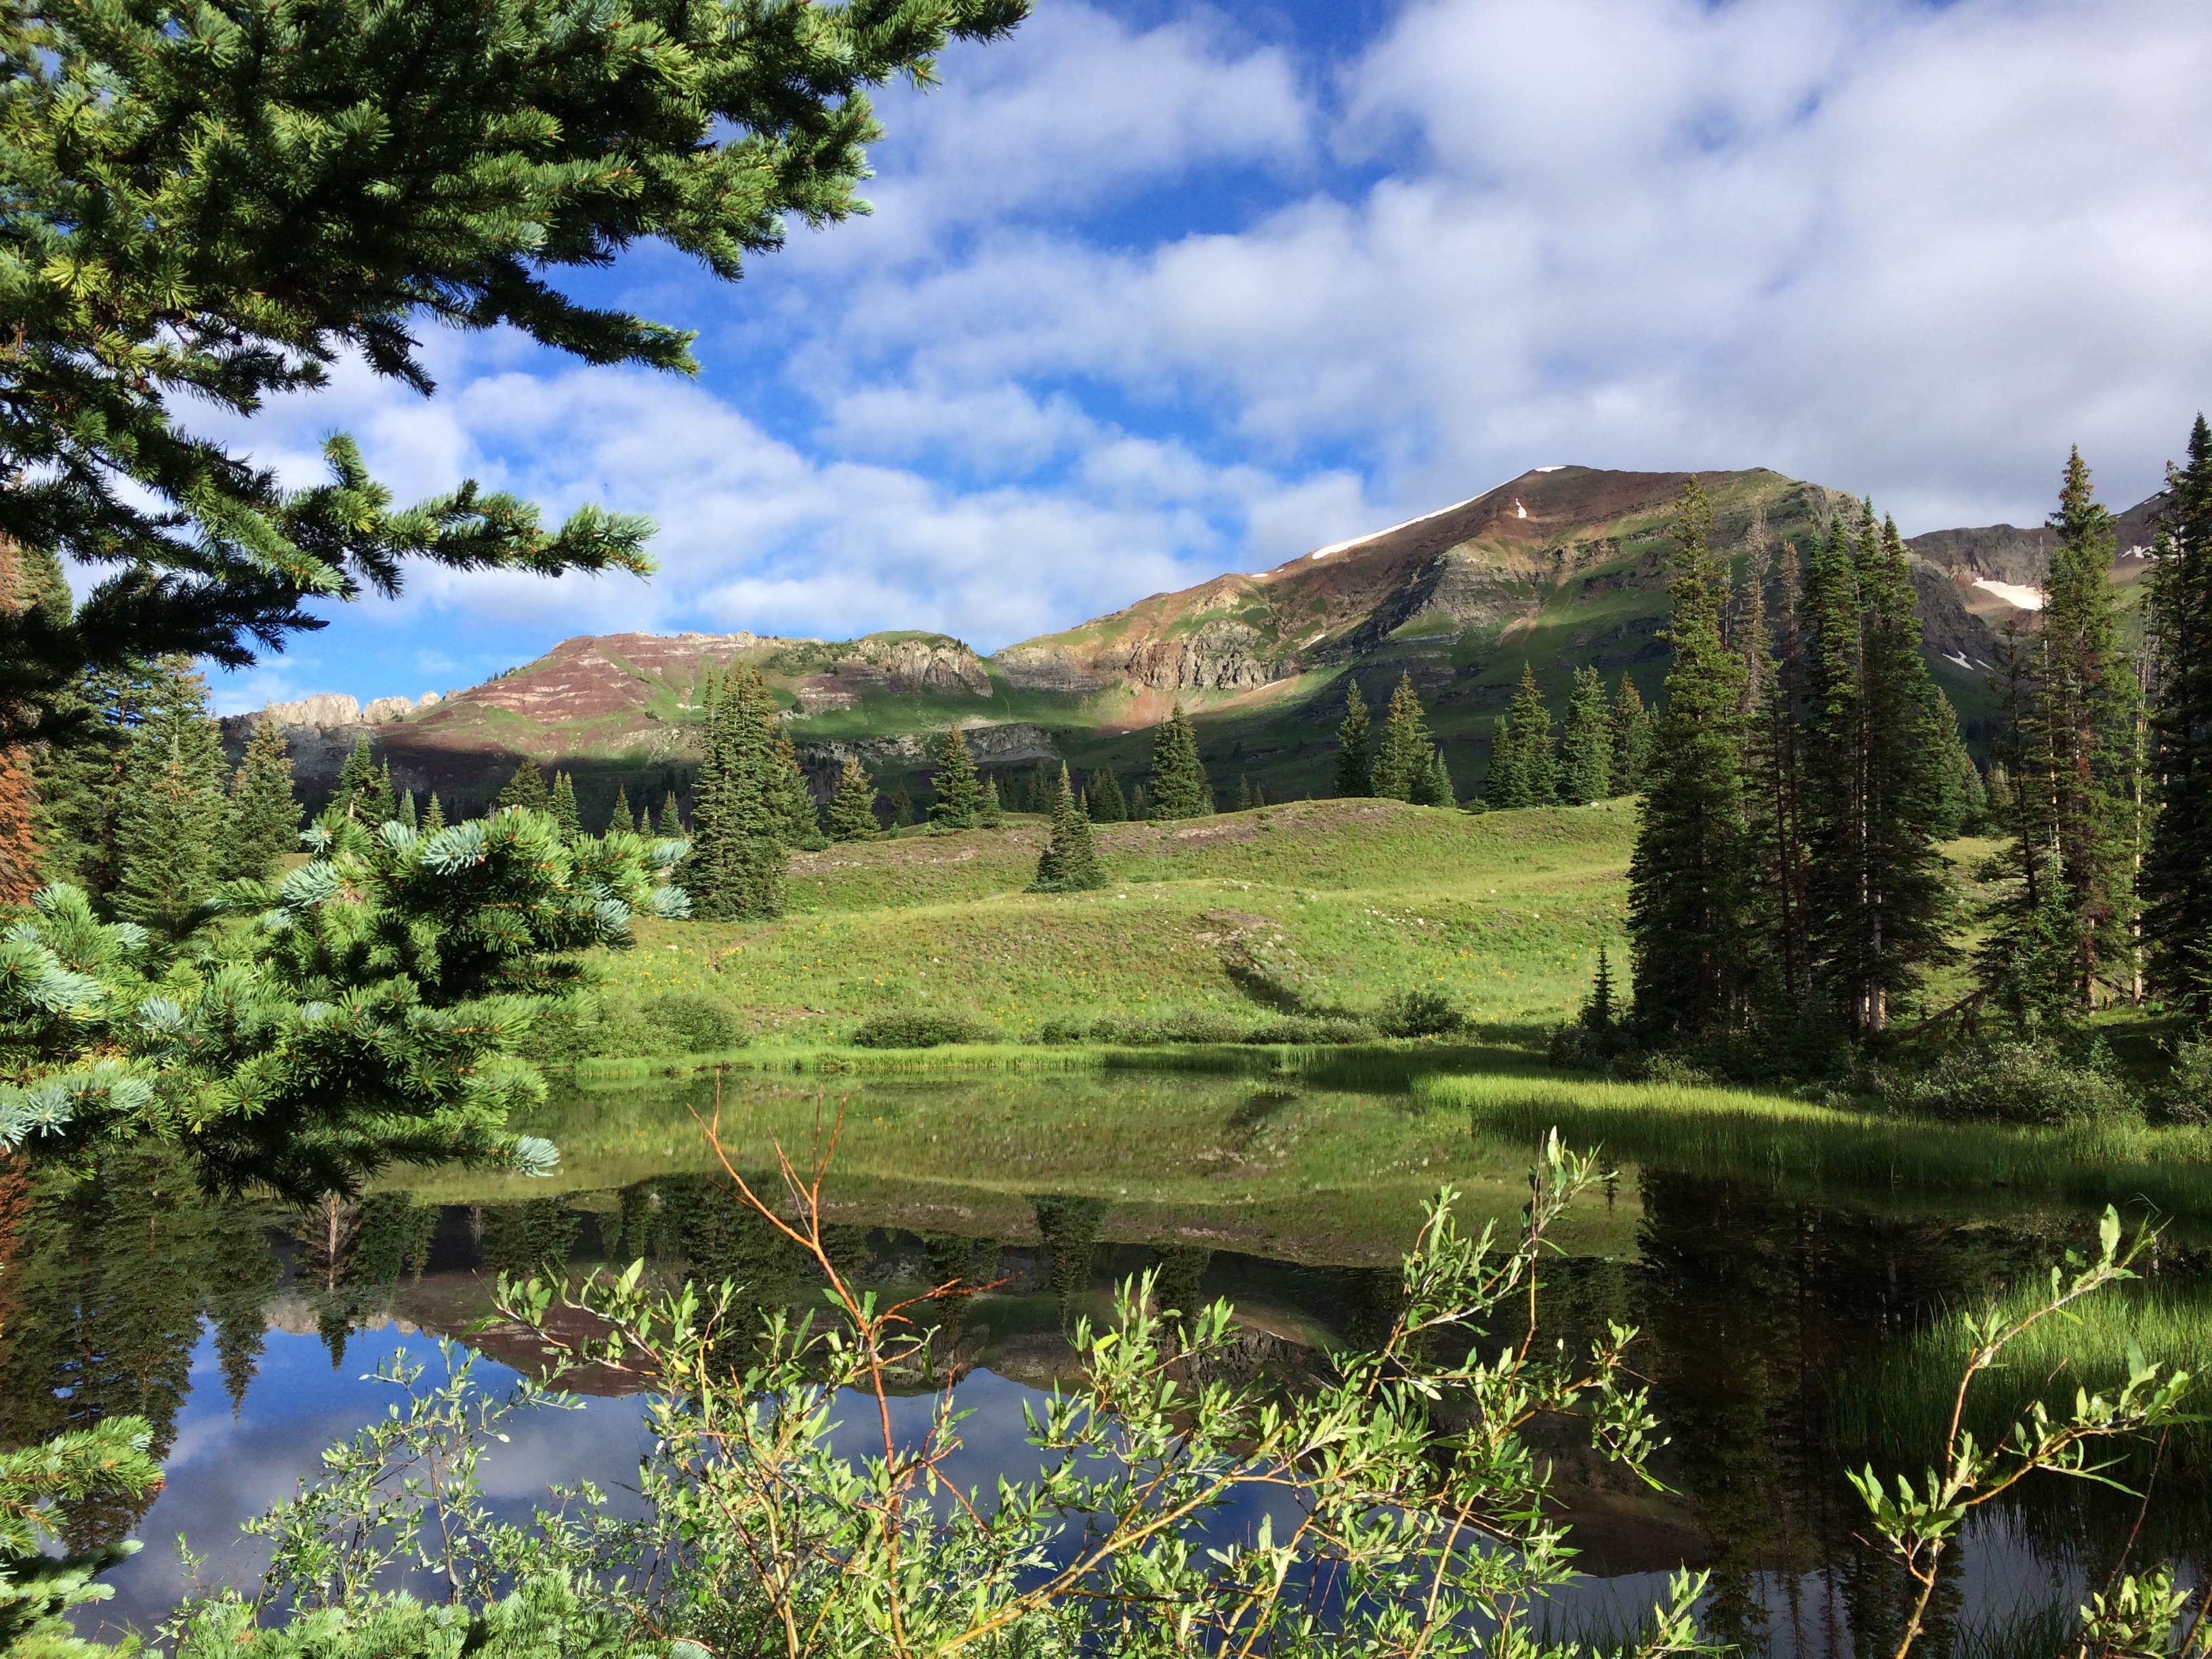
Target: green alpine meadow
797, 859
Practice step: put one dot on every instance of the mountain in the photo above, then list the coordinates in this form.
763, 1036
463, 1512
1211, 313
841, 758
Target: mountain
1558, 567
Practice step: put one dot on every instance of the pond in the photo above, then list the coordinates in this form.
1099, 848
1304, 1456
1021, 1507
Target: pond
1789, 1332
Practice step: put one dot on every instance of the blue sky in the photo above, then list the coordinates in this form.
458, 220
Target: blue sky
1156, 290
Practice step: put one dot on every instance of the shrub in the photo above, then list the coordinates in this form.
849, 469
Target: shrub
2030, 1081
2186, 1097
921, 1028
1577, 1045
697, 1024
1313, 1030
1420, 1013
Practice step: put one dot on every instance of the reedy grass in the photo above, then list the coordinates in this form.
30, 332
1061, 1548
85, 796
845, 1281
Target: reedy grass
1745, 1133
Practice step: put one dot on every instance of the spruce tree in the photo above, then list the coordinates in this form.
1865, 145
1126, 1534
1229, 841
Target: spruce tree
1140, 804
1069, 862
170, 828
619, 817
1632, 739
1355, 765
670, 826
1108, 804
434, 816
992, 814
1244, 793
853, 808
2177, 878
385, 795
1775, 856
1440, 791
1529, 724
1502, 786
525, 790
902, 805
1402, 764
2088, 695
735, 868
355, 796
958, 791
406, 812
1685, 874
802, 820
1180, 789
264, 820
565, 817
1878, 898
1586, 746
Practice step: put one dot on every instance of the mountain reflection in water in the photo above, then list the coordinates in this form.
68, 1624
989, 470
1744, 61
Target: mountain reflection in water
1780, 1331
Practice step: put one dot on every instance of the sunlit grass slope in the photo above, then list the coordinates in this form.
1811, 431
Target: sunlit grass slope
1323, 905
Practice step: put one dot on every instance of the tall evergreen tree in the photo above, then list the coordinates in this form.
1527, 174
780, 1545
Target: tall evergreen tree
735, 868
386, 795
1527, 732
1140, 803
619, 816
168, 837
802, 820
1355, 764
670, 826
902, 805
524, 790
1402, 762
1502, 786
1180, 789
1586, 745
2176, 879
434, 816
853, 808
356, 792
1878, 895
2088, 708
992, 814
1108, 804
1774, 832
958, 791
566, 817
1632, 739
1244, 802
1069, 862
1685, 874
263, 821
1440, 791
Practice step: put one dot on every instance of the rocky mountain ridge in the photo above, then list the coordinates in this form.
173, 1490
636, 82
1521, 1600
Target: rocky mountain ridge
1560, 567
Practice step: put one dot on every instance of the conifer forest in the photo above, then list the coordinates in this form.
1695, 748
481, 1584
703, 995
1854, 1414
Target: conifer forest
1019, 1004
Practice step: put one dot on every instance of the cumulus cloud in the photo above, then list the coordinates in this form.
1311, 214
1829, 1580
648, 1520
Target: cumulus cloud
1146, 303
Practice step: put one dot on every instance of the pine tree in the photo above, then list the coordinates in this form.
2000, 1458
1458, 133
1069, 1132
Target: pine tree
1108, 804
1069, 863
802, 821
1440, 791
1180, 789
1686, 873
264, 820
356, 794
168, 836
406, 812
902, 805
670, 827
2177, 878
959, 792
1586, 747
525, 791
1601, 1012
434, 816
2088, 708
1355, 766
992, 814
1140, 804
1774, 829
1244, 802
1632, 739
1402, 764
853, 808
619, 817
566, 819
385, 795
735, 869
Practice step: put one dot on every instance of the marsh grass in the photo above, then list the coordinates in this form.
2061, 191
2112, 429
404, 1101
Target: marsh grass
1770, 1138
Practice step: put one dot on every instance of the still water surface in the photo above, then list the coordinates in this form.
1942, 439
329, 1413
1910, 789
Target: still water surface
1782, 1326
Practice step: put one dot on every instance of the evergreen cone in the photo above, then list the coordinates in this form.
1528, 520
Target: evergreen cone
1355, 766
1069, 863
853, 808
959, 792
1180, 789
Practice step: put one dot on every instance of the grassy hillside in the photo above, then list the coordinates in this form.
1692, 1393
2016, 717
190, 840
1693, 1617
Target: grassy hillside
1319, 905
